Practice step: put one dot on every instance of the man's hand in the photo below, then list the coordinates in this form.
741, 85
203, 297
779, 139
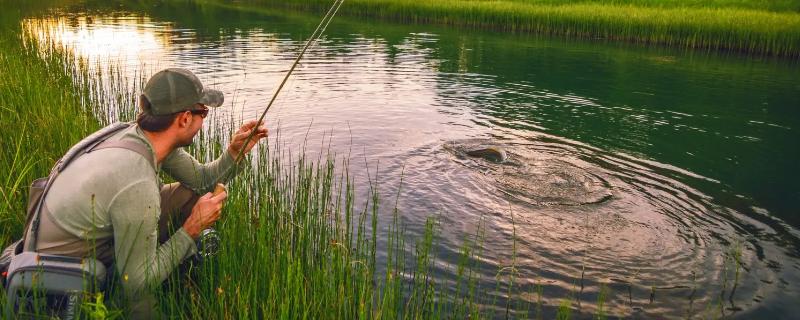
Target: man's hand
205, 213
237, 141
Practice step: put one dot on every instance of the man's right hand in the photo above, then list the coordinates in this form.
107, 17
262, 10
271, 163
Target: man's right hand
205, 213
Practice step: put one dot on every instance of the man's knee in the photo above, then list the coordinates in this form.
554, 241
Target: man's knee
177, 202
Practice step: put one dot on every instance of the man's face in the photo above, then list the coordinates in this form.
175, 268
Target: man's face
194, 125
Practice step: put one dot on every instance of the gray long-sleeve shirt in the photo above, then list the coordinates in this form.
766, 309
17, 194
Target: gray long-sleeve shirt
112, 196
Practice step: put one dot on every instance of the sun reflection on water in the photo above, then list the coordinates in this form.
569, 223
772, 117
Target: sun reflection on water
130, 39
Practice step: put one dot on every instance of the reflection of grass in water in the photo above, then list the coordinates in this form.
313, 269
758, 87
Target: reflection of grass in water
539, 294
295, 245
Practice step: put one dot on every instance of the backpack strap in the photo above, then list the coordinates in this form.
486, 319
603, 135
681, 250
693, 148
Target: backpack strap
88, 143
139, 148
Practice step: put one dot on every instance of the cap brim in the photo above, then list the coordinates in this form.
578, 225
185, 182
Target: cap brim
212, 98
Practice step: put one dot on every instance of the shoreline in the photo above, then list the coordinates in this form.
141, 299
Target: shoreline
754, 32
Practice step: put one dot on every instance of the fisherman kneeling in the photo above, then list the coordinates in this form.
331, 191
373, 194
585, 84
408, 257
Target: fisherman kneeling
109, 201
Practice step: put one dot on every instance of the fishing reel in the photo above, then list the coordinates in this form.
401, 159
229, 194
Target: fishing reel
208, 244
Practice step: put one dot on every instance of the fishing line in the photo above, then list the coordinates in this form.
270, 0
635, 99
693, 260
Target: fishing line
326, 20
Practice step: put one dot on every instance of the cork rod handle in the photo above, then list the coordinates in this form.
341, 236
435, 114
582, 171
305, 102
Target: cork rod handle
219, 188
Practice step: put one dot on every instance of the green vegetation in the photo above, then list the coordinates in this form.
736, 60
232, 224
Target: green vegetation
601, 300
768, 5
42, 114
760, 27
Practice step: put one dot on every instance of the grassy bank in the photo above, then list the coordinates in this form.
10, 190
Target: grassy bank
758, 27
43, 111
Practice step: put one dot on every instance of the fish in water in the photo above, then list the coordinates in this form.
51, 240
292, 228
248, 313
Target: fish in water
494, 154
534, 178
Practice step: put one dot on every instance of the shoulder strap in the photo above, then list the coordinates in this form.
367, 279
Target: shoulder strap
129, 145
95, 141
88, 143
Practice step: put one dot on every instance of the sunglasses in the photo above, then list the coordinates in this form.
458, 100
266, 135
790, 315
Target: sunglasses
200, 112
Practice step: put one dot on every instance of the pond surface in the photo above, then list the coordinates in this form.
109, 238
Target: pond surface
647, 171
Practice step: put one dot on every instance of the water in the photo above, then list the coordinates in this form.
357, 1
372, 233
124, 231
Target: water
647, 171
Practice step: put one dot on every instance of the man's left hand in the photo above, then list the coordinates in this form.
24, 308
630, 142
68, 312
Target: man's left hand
238, 139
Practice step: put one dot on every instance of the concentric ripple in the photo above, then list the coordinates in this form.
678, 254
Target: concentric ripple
536, 179
591, 218
553, 182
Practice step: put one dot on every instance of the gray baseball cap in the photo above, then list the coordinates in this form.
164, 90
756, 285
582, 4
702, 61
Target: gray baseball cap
174, 90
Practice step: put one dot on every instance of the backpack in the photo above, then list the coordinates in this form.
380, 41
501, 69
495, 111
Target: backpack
58, 281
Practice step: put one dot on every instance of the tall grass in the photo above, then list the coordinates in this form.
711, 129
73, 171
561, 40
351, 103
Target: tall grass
42, 112
49, 99
768, 5
720, 25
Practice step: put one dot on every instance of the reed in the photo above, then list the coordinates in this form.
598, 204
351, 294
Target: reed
602, 296
745, 26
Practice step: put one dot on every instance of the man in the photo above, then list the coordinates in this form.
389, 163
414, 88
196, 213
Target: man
112, 204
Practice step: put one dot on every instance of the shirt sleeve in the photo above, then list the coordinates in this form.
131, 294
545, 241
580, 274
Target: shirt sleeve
200, 178
140, 260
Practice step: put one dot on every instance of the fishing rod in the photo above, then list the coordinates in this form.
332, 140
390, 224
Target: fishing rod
326, 20
209, 236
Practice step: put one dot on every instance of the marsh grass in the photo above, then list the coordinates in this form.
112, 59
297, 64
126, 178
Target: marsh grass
564, 309
42, 115
602, 297
769, 5
745, 26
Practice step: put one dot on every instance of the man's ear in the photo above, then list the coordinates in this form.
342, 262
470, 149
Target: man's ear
184, 119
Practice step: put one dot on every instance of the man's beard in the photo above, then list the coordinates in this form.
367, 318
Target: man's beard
187, 142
